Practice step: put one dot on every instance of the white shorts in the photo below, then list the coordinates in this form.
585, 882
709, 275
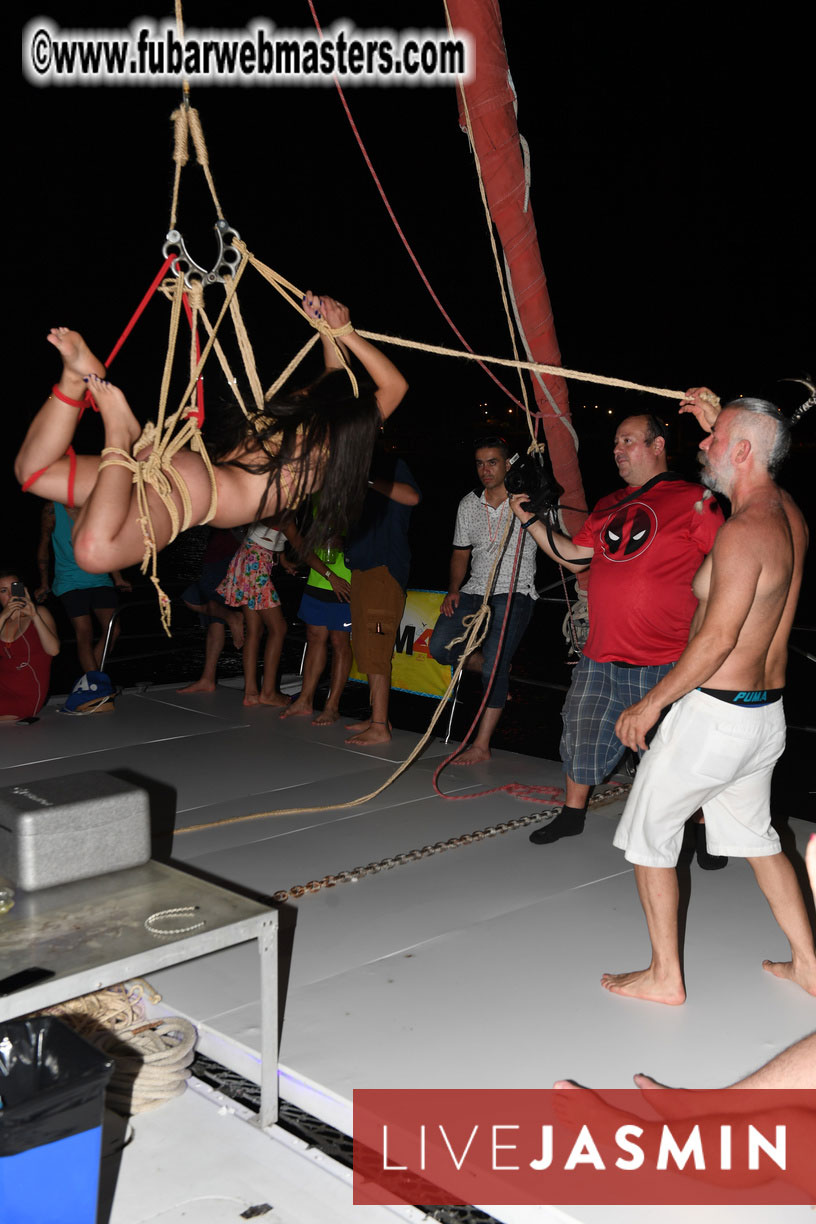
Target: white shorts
712, 755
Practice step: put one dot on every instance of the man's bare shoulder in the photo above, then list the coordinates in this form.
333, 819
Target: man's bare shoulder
796, 519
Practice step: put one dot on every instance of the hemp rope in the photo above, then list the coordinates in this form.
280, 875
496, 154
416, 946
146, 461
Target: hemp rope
561, 371
152, 1058
152, 1063
156, 471
246, 351
180, 157
197, 296
477, 626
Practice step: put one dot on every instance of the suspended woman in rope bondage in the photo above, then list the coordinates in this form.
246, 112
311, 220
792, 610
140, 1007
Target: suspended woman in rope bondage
319, 437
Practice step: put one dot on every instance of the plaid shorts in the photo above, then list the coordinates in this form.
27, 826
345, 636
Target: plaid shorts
598, 695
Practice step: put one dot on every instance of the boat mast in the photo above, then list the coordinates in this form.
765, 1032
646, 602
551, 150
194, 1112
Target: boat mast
491, 106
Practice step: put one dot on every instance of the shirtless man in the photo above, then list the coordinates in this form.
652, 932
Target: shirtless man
706, 754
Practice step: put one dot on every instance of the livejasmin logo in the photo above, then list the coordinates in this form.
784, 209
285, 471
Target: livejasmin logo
531, 1147
585, 1150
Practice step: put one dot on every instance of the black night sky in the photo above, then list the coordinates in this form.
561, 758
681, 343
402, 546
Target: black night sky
669, 185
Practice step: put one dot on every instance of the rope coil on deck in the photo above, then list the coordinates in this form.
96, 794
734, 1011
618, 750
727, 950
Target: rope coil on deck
152, 1057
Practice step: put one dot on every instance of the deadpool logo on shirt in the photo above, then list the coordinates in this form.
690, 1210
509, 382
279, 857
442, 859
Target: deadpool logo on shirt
628, 532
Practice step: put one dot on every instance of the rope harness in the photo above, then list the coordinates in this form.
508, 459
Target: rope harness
151, 461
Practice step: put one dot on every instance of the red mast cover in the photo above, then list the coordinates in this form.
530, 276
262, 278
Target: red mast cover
495, 133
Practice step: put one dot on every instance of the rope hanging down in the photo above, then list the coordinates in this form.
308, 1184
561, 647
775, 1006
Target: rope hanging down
165, 438
476, 627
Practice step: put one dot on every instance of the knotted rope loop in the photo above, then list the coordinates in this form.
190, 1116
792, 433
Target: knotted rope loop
157, 472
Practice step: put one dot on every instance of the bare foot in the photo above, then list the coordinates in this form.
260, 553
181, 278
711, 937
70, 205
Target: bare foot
251, 699
643, 984
326, 717
576, 1107
121, 427
199, 686
672, 1103
678, 1103
472, 756
359, 726
77, 358
298, 709
274, 699
802, 975
376, 733
645, 1083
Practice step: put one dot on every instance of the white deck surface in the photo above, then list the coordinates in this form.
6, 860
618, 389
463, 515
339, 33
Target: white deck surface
478, 967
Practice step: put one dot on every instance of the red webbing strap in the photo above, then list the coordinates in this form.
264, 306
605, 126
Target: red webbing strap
199, 415
70, 453
140, 308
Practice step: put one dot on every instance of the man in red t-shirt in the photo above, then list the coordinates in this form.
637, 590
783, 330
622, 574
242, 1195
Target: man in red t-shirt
643, 545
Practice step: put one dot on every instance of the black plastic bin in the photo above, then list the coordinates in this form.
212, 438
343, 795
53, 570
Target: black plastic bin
52, 1098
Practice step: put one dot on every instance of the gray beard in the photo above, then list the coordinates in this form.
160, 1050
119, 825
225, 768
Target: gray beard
716, 482
707, 477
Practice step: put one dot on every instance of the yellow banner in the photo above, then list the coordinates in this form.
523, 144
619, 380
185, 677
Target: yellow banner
412, 668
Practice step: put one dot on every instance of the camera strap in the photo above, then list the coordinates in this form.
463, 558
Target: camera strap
661, 476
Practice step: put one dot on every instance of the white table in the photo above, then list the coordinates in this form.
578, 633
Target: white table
67, 941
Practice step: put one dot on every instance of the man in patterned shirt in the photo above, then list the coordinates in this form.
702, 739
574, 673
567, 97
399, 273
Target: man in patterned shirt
481, 526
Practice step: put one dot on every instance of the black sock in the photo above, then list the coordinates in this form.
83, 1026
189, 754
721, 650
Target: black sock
568, 823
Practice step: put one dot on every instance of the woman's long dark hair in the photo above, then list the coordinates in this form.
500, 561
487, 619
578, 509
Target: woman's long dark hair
324, 419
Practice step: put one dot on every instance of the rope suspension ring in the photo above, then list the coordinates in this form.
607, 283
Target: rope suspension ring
151, 923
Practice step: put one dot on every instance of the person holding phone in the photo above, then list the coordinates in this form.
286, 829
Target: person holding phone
28, 642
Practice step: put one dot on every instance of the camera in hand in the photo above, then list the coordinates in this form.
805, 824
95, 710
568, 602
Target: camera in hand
530, 475
18, 590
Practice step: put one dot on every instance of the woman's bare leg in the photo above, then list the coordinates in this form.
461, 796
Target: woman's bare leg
109, 533
52, 430
340, 668
252, 642
275, 624
317, 637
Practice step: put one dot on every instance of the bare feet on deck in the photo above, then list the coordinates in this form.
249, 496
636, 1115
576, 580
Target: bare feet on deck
298, 709
199, 686
77, 358
644, 984
251, 699
274, 699
371, 733
326, 717
472, 756
121, 427
789, 971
